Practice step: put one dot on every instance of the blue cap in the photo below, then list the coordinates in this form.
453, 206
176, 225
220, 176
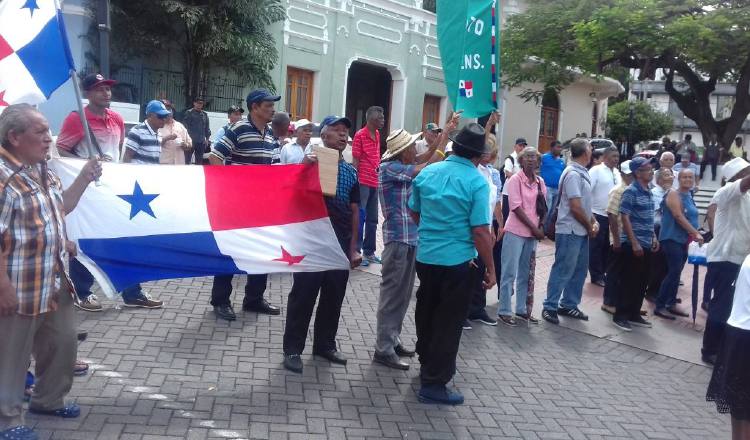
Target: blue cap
157, 107
333, 120
638, 162
259, 95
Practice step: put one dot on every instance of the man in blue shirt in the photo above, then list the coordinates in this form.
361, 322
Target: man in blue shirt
638, 244
449, 202
551, 169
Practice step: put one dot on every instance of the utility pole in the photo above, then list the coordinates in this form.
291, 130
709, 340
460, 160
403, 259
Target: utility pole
105, 27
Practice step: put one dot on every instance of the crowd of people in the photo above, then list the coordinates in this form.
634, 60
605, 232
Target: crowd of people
451, 217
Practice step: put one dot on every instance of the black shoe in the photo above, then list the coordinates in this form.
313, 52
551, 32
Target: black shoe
709, 358
677, 312
550, 316
390, 361
225, 312
704, 306
573, 313
293, 363
334, 356
402, 352
484, 318
262, 307
599, 283
662, 313
466, 325
622, 325
639, 322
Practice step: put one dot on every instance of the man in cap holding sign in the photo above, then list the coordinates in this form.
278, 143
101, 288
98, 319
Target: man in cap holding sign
449, 203
399, 166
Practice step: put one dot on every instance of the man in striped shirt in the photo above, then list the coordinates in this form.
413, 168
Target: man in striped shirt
143, 145
36, 294
247, 142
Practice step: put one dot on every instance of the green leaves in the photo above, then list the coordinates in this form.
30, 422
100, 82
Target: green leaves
646, 123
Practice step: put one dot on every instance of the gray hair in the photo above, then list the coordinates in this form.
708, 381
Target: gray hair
14, 118
280, 119
578, 147
659, 174
527, 151
666, 153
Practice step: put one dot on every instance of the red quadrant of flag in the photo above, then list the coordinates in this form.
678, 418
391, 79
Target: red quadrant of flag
5, 48
239, 197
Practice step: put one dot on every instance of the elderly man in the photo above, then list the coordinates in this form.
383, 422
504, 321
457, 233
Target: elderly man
343, 210
727, 250
295, 152
36, 295
247, 142
575, 225
449, 202
366, 159
196, 121
398, 168
604, 177
638, 242
431, 133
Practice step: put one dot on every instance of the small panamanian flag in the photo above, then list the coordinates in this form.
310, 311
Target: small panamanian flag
466, 89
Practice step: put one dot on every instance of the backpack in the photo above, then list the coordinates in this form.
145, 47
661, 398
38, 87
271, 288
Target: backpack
502, 170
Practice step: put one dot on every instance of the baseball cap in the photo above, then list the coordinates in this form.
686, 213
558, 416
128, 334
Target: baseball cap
637, 162
333, 120
157, 107
433, 127
93, 80
521, 141
235, 108
302, 123
625, 168
259, 95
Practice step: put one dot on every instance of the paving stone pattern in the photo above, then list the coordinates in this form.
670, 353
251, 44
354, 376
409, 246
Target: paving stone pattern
179, 373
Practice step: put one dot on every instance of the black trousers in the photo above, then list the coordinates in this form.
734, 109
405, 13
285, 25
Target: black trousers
254, 290
331, 285
614, 266
714, 162
197, 151
724, 274
599, 249
497, 256
478, 294
658, 270
443, 299
633, 277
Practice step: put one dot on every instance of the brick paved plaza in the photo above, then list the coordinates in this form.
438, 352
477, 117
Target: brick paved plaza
181, 373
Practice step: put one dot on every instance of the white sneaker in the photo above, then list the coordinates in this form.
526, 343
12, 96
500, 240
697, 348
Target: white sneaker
89, 304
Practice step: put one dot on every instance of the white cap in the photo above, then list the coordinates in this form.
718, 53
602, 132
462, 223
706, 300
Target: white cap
625, 168
302, 123
734, 166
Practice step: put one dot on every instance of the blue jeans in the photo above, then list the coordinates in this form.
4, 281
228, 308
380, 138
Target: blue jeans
369, 201
551, 193
568, 273
676, 254
83, 281
516, 258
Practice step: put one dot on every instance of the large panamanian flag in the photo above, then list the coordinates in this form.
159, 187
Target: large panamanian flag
35, 58
152, 222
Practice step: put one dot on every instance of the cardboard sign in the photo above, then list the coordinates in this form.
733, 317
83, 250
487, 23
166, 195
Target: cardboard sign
328, 168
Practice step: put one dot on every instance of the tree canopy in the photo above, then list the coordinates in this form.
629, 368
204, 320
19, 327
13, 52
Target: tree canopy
232, 34
697, 43
646, 123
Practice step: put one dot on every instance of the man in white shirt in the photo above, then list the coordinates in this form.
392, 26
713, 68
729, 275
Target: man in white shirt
295, 151
727, 250
431, 138
604, 177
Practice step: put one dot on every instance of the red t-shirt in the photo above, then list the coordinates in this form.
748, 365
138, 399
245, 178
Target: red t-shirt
367, 151
109, 131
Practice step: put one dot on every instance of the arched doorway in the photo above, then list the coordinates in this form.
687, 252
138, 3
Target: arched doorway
549, 120
368, 85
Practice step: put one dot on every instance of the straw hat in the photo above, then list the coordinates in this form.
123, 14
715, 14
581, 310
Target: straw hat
398, 141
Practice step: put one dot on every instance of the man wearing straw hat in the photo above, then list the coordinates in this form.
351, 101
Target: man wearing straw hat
449, 203
727, 250
398, 168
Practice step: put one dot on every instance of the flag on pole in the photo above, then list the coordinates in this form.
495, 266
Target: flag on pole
153, 222
35, 58
468, 34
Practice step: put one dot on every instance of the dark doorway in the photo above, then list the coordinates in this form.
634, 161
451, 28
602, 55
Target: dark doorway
550, 117
368, 85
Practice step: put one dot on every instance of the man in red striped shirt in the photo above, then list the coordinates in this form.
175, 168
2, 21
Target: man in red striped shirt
366, 155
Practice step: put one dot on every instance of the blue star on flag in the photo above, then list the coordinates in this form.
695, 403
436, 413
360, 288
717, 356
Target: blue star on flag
30, 5
139, 202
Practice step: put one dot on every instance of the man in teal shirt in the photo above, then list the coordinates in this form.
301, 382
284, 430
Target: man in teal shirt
450, 203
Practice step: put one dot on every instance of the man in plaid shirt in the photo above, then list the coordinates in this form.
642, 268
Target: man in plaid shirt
36, 294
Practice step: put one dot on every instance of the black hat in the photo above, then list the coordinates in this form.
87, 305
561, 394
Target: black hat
521, 141
471, 137
94, 80
235, 108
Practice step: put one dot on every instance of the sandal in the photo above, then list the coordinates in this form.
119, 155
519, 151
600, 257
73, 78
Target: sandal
19, 433
67, 412
528, 318
80, 368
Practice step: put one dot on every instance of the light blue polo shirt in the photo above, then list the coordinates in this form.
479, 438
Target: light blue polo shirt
451, 198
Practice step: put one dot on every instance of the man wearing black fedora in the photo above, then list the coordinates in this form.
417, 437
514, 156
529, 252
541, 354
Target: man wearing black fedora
449, 202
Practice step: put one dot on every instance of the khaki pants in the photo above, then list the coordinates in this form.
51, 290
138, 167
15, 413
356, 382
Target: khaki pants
51, 338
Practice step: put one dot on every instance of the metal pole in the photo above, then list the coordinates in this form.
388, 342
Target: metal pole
105, 26
93, 149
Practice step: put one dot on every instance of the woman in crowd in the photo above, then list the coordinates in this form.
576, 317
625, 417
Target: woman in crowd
664, 178
679, 225
522, 231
